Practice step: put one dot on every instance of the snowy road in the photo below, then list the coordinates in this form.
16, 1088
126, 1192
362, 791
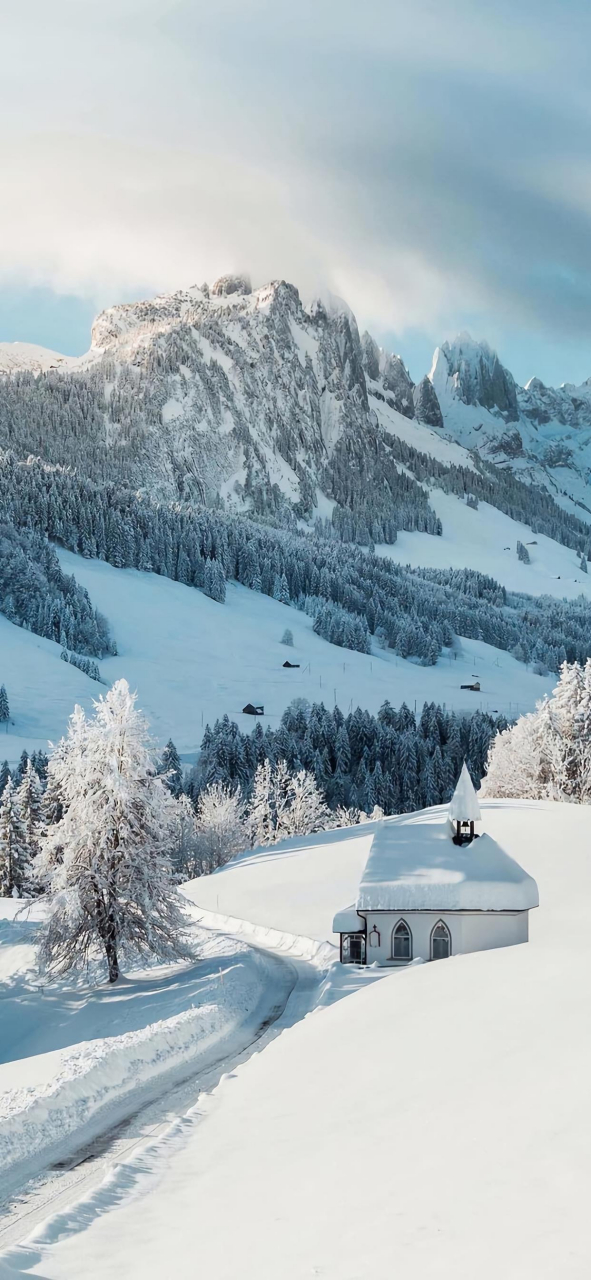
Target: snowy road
83, 1163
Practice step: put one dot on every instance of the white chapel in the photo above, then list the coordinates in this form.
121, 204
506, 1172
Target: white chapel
434, 887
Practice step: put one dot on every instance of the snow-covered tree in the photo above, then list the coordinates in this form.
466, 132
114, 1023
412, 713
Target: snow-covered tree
171, 769
14, 861
214, 583
284, 804
111, 893
547, 754
281, 589
4, 775
185, 851
269, 800
59, 770
4, 707
260, 821
287, 637
220, 828
29, 798
21, 768
305, 811
522, 553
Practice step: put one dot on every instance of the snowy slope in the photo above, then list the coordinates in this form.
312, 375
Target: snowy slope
27, 355
193, 660
42, 690
486, 540
436, 1121
271, 887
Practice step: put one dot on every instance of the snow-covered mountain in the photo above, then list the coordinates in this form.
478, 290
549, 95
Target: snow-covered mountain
219, 393
542, 433
224, 392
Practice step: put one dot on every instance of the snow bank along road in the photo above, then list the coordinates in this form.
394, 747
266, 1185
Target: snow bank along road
435, 1124
80, 1108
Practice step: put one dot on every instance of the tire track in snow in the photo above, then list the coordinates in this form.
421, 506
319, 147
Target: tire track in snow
109, 1167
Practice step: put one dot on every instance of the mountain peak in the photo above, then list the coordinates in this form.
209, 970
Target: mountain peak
479, 378
228, 284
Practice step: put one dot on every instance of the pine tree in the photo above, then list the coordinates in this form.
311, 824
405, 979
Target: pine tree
523, 553
281, 589
215, 581
171, 769
112, 891
29, 798
4, 775
287, 637
14, 863
4, 708
21, 768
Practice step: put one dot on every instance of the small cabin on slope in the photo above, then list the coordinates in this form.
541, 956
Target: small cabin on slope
432, 888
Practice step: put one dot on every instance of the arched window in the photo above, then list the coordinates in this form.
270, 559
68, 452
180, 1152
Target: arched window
440, 941
401, 942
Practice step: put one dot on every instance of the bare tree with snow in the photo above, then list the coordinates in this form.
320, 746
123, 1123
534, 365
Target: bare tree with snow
185, 850
285, 804
260, 821
547, 754
305, 811
220, 827
112, 890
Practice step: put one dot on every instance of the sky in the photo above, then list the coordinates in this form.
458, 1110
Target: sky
430, 163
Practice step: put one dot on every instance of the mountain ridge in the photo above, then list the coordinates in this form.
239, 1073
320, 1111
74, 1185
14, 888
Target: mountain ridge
225, 393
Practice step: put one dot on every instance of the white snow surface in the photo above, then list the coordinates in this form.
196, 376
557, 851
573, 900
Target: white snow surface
414, 865
348, 921
486, 540
73, 1054
191, 660
435, 1122
16, 356
293, 886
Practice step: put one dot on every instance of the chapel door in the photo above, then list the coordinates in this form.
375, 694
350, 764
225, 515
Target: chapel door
357, 949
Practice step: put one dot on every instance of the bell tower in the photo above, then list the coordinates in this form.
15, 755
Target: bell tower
464, 809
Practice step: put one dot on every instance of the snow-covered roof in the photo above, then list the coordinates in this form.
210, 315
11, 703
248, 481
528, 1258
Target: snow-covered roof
347, 921
464, 805
413, 865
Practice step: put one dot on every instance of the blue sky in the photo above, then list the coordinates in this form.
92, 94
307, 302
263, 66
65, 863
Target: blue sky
429, 163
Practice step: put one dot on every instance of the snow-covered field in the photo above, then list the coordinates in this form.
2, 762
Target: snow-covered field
435, 1123
192, 660
486, 540
75, 1059
271, 887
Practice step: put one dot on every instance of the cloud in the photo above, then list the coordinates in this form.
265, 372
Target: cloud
426, 161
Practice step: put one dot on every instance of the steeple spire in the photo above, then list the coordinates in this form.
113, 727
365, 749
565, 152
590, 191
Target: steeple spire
464, 809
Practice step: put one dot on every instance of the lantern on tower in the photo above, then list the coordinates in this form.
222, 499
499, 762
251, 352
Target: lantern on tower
464, 809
